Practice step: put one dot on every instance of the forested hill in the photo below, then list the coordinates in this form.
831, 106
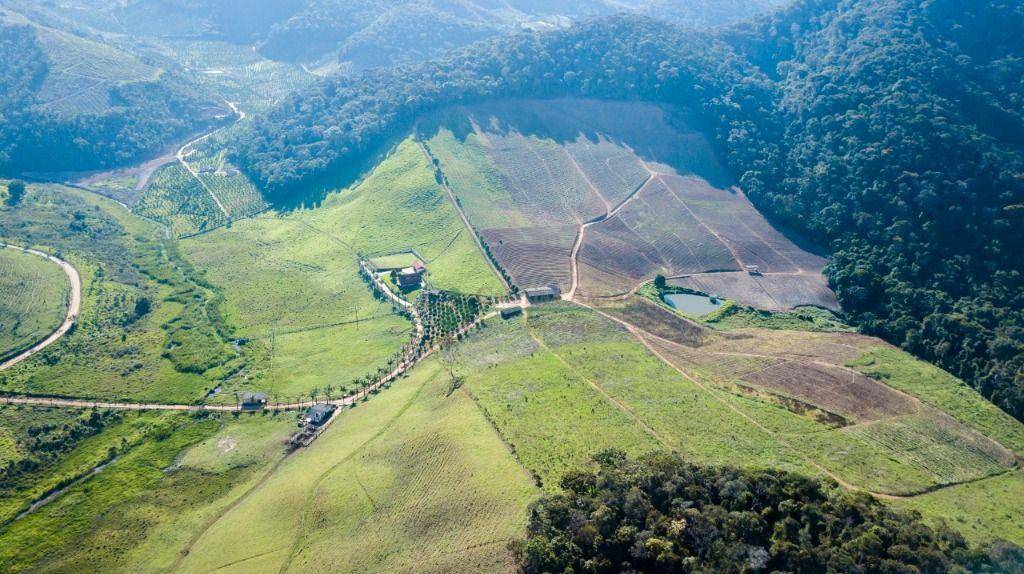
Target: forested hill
889, 128
351, 35
69, 103
905, 145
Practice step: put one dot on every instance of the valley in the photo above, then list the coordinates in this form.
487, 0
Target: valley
466, 287
610, 367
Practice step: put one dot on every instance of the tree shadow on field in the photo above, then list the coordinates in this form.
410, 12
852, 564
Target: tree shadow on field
344, 176
660, 135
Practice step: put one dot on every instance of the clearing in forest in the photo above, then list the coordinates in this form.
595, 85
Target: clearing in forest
807, 402
598, 197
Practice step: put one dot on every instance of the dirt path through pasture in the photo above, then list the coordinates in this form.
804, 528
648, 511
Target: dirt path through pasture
74, 307
640, 335
574, 256
462, 214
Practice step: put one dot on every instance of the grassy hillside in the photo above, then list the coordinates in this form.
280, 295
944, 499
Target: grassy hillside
33, 299
170, 475
146, 331
415, 480
290, 279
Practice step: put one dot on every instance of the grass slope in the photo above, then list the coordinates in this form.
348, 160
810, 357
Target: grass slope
982, 511
33, 299
136, 514
173, 351
564, 383
290, 279
413, 481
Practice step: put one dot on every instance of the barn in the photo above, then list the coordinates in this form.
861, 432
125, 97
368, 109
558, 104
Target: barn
542, 294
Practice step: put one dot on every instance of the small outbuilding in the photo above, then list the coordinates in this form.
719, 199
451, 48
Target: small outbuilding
542, 294
318, 414
753, 270
253, 401
509, 312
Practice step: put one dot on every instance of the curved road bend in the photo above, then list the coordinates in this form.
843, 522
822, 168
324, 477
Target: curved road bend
74, 306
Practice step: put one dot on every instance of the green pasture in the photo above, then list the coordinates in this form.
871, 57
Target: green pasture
291, 284
175, 473
33, 299
147, 330
413, 480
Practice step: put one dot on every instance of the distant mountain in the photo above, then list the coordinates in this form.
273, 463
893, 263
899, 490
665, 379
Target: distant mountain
890, 129
357, 34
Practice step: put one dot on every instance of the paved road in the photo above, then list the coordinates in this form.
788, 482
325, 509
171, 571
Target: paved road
74, 306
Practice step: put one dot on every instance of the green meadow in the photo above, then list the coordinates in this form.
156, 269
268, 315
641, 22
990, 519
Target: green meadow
171, 474
33, 299
148, 330
290, 280
414, 480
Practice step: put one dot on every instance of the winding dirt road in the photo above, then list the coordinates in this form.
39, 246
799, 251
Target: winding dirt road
74, 306
182, 154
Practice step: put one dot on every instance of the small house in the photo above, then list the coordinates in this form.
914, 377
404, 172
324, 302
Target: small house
753, 270
509, 312
319, 414
253, 401
207, 169
542, 294
409, 277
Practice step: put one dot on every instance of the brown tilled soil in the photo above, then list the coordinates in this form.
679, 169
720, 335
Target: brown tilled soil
833, 389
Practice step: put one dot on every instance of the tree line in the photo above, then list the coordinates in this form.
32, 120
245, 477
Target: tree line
660, 513
143, 117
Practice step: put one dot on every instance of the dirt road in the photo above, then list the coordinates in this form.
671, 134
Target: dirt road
74, 306
182, 154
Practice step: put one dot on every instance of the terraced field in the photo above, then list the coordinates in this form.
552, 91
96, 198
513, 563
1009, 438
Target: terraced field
33, 299
599, 197
175, 198
233, 189
82, 72
237, 73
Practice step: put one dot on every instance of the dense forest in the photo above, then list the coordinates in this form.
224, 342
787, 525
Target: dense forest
904, 145
883, 128
143, 117
662, 514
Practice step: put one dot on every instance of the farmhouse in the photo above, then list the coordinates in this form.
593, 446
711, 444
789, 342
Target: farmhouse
253, 401
318, 414
409, 277
509, 312
541, 294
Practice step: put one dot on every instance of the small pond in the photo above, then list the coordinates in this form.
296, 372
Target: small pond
696, 305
